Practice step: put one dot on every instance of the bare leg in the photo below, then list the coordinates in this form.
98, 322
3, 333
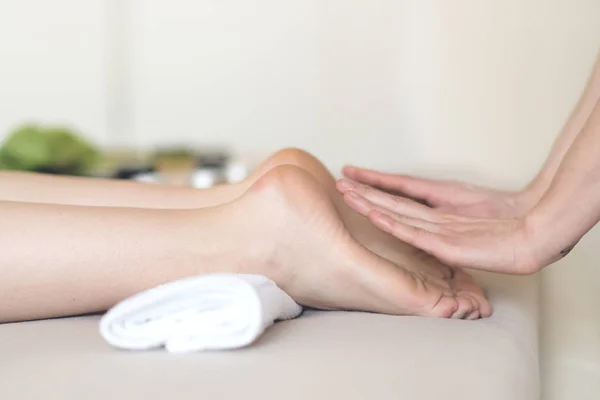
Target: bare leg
74, 260
61, 190
52, 189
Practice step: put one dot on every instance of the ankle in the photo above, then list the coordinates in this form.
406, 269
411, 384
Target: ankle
210, 240
245, 234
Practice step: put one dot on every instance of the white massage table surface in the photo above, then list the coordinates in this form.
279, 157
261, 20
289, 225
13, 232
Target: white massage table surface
321, 355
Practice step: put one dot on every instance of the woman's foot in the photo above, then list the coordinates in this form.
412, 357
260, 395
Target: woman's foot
411, 259
297, 238
403, 255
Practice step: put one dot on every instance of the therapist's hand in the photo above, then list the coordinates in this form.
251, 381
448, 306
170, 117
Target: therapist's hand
448, 196
504, 245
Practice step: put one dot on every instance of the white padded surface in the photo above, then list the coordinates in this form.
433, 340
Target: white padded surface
570, 327
322, 355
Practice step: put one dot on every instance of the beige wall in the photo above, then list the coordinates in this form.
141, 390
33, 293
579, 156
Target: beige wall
473, 89
414, 85
52, 64
464, 88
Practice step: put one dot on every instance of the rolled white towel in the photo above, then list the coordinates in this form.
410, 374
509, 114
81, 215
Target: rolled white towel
208, 312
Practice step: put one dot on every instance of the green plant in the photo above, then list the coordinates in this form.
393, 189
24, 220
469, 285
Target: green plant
36, 148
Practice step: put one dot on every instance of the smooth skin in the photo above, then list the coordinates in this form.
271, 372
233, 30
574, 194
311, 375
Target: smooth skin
508, 232
91, 243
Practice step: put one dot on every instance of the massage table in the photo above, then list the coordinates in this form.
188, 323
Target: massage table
321, 355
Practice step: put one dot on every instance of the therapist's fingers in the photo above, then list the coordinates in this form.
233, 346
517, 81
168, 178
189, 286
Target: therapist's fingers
424, 235
416, 188
366, 208
395, 204
386, 201
428, 226
359, 203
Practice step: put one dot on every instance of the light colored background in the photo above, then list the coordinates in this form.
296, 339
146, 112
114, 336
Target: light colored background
471, 89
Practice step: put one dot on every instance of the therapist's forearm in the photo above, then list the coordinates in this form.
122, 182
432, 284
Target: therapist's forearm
570, 131
571, 206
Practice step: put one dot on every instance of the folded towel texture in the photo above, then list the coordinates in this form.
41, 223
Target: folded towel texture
208, 312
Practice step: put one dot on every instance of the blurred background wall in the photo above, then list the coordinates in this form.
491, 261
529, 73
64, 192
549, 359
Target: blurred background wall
447, 87
470, 89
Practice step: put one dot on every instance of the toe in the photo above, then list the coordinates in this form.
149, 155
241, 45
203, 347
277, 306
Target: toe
474, 315
465, 285
446, 307
465, 307
474, 301
486, 309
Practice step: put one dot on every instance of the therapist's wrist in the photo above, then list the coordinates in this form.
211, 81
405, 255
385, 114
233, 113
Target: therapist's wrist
552, 233
533, 193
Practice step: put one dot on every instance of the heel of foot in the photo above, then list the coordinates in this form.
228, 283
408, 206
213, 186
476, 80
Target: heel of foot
292, 182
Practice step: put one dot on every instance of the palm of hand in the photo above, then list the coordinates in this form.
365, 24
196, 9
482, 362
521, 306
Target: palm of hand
481, 243
473, 201
460, 241
461, 225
